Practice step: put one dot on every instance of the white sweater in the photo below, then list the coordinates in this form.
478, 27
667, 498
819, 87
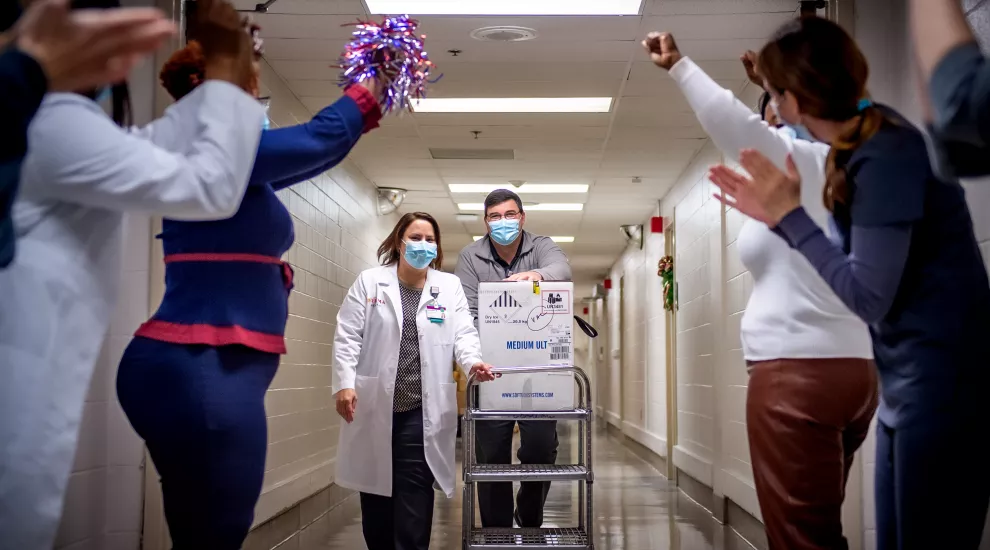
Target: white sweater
792, 313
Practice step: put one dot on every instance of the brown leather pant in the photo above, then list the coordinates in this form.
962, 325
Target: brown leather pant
806, 418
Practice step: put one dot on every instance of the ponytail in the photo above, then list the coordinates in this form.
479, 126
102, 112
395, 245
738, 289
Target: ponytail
837, 189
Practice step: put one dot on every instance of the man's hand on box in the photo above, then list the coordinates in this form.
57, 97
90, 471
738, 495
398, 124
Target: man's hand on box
525, 276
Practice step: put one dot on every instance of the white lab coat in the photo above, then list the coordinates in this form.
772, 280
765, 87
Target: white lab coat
81, 174
366, 357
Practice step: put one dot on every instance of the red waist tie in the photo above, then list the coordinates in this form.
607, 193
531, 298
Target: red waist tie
287, 273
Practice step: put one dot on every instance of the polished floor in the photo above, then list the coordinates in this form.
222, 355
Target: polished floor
635, 509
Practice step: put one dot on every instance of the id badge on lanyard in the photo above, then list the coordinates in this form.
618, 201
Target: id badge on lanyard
434, 311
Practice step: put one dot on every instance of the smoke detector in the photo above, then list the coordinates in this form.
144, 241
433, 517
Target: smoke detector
517, 183
503, 33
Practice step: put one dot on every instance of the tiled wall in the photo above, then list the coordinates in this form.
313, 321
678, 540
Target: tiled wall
643, 350
337, 234
697, 217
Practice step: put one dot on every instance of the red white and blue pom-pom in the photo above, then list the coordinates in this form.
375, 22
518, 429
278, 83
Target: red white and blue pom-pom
392, 52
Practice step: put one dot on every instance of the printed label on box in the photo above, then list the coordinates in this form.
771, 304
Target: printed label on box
557, 302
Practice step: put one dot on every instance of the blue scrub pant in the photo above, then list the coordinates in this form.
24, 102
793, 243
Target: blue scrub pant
932, 483
201, 412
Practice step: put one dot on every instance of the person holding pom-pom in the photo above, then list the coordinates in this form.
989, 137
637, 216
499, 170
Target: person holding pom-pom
193, 380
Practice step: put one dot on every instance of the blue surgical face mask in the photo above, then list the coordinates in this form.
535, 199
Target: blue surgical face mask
266, 123
419, 254
796, 131
103, 94
504, 231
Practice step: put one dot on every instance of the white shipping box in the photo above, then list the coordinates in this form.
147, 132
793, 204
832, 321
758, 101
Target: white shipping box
527, 325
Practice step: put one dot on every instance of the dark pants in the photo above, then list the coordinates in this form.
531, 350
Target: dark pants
538, 445
404, 520
932, 483
201, 412
805, 419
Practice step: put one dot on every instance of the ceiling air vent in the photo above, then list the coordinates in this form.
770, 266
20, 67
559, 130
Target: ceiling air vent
472, 154
503, 34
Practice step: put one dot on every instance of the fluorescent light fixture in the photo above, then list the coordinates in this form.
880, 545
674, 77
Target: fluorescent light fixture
560, 240
512, 105
545, 188
505, 7
543, 206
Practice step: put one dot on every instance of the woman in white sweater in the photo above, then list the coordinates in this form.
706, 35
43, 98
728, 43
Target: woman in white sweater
812, 390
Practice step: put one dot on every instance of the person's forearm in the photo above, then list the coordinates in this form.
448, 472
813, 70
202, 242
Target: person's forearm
290, 155
730, 124
867, 279
938, 27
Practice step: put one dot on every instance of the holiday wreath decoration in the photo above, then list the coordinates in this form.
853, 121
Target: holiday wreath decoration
665, 269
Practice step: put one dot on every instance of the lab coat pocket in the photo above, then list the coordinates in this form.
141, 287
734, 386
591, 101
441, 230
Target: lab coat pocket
447, 401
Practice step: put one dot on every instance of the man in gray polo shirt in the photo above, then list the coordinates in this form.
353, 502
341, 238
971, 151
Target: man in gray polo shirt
508, 253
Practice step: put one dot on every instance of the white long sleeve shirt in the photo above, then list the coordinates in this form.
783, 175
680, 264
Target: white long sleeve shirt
792, 313
81, 174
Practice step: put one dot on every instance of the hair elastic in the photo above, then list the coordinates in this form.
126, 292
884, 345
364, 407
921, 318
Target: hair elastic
864, 104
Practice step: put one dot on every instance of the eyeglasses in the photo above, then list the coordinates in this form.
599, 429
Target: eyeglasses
510, 215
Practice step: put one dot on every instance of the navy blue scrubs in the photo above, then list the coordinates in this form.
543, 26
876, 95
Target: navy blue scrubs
909, 265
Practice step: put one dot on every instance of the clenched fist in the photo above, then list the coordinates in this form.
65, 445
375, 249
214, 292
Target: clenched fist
662, 49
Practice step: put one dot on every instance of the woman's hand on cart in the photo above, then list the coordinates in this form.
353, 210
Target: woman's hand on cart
482, 372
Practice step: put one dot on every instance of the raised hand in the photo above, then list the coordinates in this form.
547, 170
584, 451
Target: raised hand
662, 49
768, 196
85, 49
752, 71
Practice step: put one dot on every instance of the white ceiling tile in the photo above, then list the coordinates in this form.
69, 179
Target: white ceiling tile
715, 27
311, 7
721, 7
291, 69
325, 27
529, 71
548, 28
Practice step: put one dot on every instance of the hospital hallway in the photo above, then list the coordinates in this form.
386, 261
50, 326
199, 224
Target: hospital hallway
635, 508
609, 153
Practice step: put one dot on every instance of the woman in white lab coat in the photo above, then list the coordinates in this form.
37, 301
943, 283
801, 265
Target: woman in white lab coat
81, 173
398, 330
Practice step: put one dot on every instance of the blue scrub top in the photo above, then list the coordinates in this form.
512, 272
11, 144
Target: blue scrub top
931, 348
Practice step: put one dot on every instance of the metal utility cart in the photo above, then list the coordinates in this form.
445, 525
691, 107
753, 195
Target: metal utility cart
570, 538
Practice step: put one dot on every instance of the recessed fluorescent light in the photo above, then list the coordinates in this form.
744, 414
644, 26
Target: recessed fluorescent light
544, 206
505, 7
513, 105
555, 239
545, 188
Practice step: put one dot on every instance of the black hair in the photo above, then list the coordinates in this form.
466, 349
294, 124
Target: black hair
120, 93
499, 196
764, 101
10, 12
